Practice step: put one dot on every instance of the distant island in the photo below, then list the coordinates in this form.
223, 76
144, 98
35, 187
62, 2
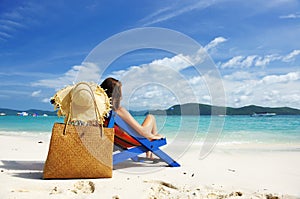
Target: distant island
204, 109
30, 112
186, 109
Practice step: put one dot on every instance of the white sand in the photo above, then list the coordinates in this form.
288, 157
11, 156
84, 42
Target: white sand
231, 171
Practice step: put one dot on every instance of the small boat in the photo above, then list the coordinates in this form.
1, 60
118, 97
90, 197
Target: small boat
2, 114
23, 114
45, 115
263, 114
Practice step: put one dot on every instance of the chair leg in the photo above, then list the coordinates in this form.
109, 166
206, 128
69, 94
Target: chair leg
166, 158
128, 154
135, 159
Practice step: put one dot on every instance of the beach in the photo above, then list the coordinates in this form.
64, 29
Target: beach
214, 81
229, 171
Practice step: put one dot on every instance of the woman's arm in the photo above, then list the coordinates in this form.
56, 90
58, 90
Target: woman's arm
127, 117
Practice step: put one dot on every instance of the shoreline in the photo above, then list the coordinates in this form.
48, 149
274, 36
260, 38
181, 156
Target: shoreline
251, 170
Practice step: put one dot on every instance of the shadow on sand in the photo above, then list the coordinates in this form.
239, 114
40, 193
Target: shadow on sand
34, 169
23, 169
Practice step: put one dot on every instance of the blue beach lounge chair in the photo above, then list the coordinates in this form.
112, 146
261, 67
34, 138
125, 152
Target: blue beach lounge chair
142, 144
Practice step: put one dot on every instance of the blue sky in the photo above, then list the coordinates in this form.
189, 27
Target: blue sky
255, 46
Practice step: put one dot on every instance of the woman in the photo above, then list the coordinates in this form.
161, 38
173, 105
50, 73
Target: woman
113, 89
148, 129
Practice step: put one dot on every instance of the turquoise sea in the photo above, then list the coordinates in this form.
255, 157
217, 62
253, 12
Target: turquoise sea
276, 129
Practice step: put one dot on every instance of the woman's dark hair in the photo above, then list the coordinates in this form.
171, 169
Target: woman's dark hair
113, 90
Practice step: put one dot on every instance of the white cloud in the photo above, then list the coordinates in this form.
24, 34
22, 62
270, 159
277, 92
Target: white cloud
161, 84
268, 90
91, 72
258, 61
84, 72
18, 18
148, 96
234, 62
151, 84
291, 56
271, 96
248, 61
178, 62
5, 35
36, 93
206, 99
156, 86
264, 61
271, 79
290, 98
173, 86
215, 42
195, 80
12, 23
174, 10
290, 16
46, 100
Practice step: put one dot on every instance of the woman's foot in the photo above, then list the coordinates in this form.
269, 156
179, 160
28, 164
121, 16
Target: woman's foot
155, 137
149, 155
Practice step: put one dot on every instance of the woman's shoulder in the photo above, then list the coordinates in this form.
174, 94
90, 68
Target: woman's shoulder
121, 110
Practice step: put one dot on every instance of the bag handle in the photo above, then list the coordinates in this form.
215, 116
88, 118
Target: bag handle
95, 106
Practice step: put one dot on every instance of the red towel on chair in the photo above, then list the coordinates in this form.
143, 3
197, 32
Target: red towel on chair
122, 138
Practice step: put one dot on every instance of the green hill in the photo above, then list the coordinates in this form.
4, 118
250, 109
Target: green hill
248, 110
203, 109
188, 109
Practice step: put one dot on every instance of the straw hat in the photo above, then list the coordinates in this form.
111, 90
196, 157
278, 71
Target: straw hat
79, 98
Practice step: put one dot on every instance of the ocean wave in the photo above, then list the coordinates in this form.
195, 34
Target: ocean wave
24, 133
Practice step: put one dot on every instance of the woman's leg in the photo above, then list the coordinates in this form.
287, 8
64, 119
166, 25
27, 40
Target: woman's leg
150, 126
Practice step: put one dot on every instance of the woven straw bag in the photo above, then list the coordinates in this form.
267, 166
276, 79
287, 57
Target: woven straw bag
79, 151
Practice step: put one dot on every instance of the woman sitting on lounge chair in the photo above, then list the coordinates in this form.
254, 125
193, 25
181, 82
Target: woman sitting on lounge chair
113, 89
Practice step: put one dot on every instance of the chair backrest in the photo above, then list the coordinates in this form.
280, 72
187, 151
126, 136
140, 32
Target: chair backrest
115, 119
111, 119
